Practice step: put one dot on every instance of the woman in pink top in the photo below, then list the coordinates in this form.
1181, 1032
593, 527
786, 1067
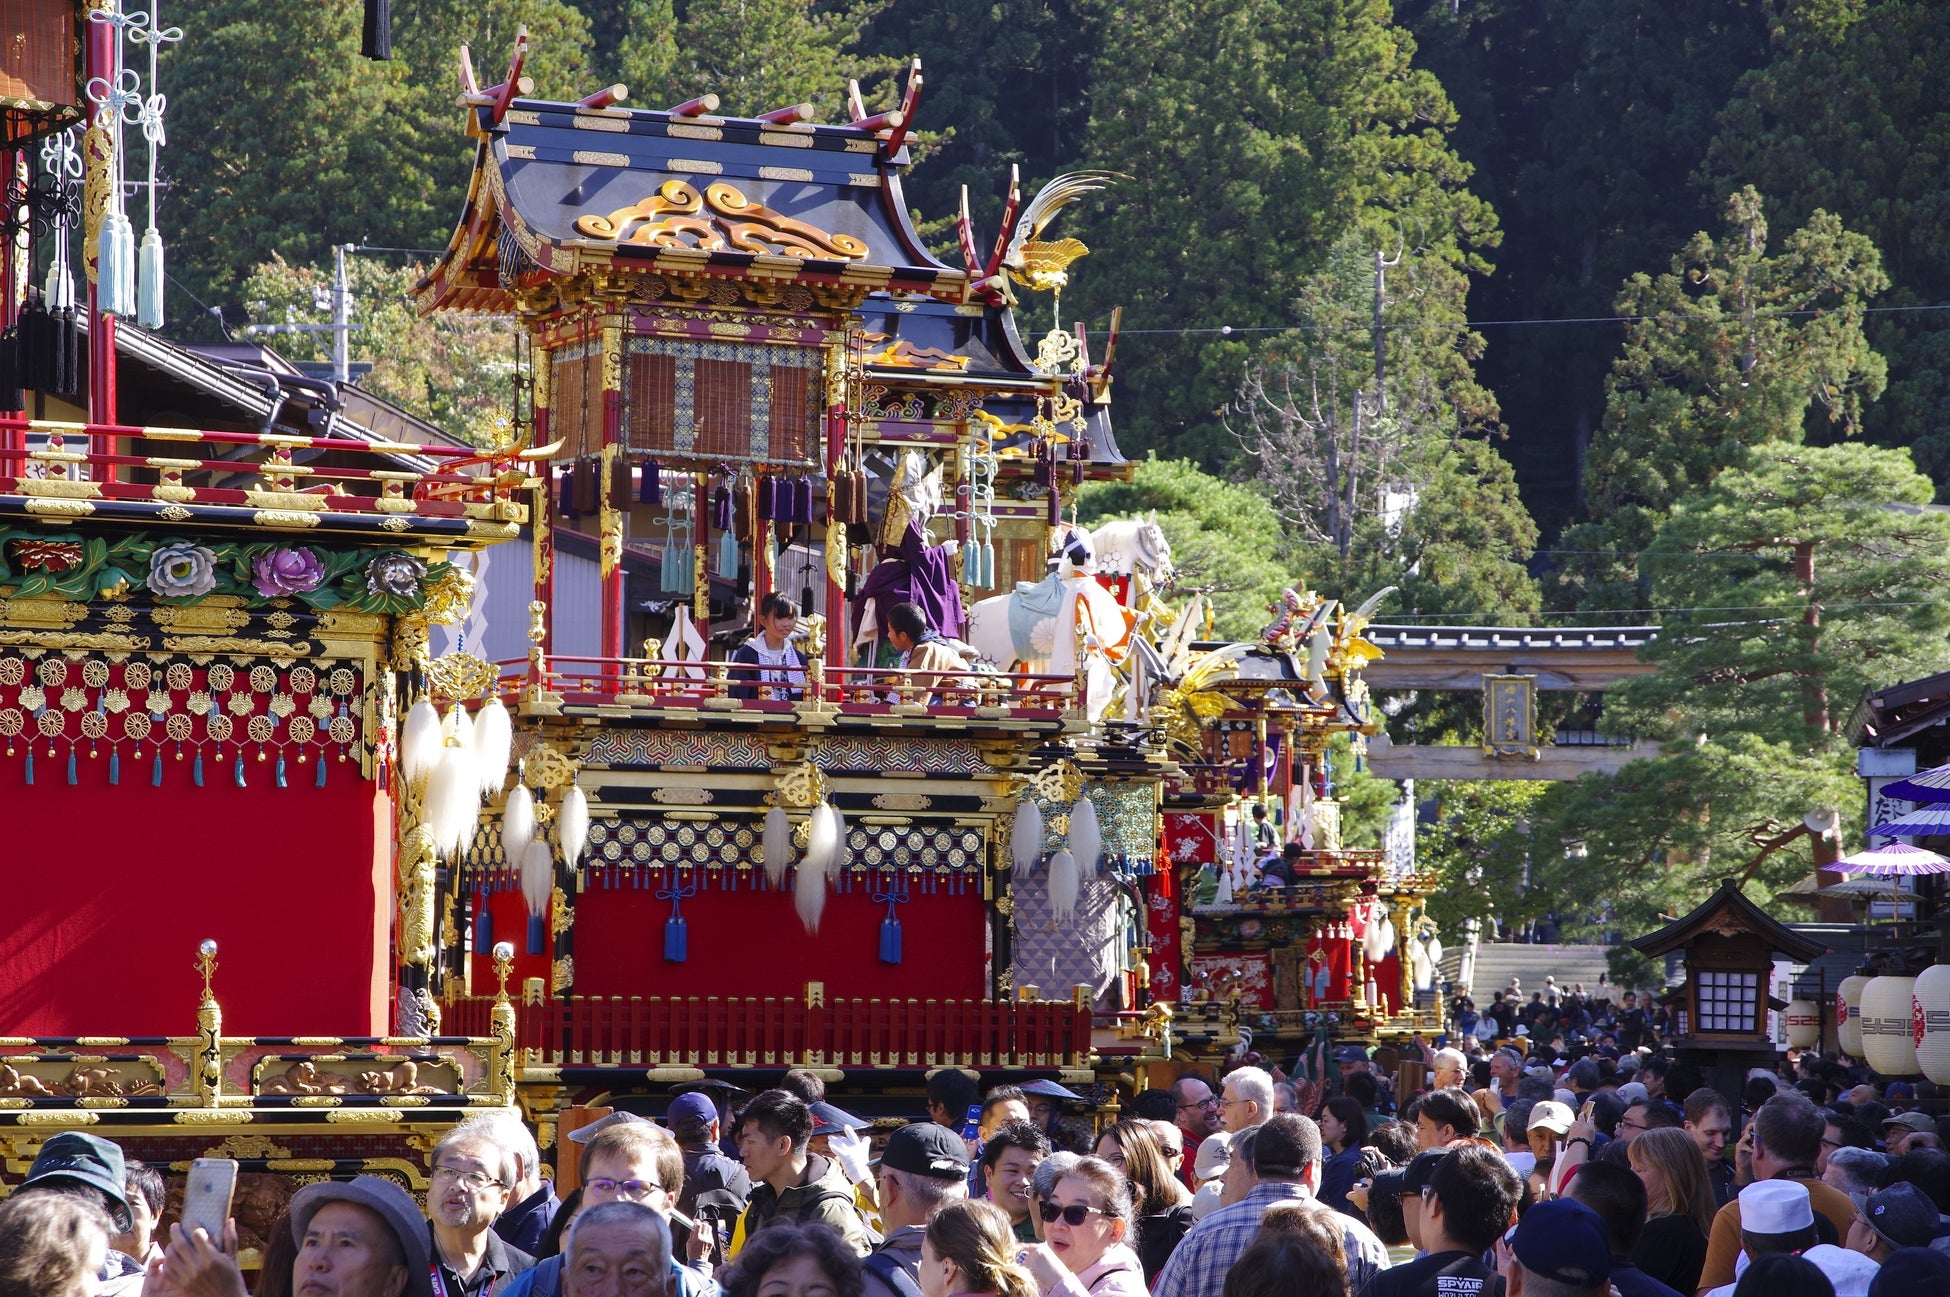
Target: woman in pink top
1089, 1236
970, 1248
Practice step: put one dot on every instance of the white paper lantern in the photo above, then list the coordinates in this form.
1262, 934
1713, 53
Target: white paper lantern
1887, 1045
1803, 1024
1848, 1015
1931, 1008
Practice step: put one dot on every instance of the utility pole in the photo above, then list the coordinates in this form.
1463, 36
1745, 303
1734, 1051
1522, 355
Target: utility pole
341, 316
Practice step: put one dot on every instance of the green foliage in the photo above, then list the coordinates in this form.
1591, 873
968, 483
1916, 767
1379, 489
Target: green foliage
755, 55
455, 371
1631, 971
1256, 134
1367, 800
1849, 117
1814, 573
1478, 846
1225, 538
1737, 347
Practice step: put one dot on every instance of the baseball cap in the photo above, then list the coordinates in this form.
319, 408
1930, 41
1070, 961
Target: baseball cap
690, 1108
1414, 1177
1214, 1155
583, 1134
829, 1120
1902, 1215
390, 1203
926, 1148
1549, 1114
1565, 1241
1633, 1092
1775, 1207
1051, 1090
1350, 1054
73, 1157
1921, 1121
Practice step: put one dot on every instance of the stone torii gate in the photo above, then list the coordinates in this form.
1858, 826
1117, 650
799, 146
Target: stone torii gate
1508, 665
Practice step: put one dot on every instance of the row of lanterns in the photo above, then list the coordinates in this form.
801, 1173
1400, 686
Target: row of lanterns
1886, 1022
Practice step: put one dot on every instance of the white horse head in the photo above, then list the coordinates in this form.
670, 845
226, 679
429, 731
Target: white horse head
1128, 545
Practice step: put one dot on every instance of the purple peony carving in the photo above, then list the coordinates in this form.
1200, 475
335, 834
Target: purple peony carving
285, 572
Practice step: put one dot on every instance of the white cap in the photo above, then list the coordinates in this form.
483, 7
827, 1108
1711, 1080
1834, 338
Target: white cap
1553, 1116
1775, 1207
1214, 1156
1206, 1200
1634, 1092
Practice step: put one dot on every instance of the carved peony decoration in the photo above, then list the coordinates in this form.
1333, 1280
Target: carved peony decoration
182, 571
395, 574
284, 572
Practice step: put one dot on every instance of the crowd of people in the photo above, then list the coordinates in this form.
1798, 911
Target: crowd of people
1505, 1173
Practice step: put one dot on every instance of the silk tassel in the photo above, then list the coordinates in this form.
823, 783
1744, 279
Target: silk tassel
537, 934
114, 767
677, 937
890, 935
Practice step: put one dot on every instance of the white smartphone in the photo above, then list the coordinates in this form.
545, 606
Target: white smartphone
206, 1196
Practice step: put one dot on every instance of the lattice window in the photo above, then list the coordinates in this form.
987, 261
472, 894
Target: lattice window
577, 415
1727, 1001
723, 402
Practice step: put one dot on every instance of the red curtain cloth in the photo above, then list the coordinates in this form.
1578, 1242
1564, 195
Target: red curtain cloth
109, 889
752, 943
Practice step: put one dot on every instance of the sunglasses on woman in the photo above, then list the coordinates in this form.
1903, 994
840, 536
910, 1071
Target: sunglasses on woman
1073, 1215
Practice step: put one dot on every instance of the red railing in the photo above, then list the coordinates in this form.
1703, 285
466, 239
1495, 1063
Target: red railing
666, 682
637, 1032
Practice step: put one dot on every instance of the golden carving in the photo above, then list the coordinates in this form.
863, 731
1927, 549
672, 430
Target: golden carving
409, 648
802, 786
417, 868
403, 1077
560, 916
450, 597
210, 616
545, 768
562, 975
99, 180
609, 544
675, 217
211, 1117
60, 508
284, 518
68, 1118
902, 801
58, 487
682, 796
461, 675
248, 1146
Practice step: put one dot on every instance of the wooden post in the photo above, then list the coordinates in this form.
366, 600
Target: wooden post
610, 545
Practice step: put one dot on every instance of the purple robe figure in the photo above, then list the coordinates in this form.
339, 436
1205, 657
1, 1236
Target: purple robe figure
916, 573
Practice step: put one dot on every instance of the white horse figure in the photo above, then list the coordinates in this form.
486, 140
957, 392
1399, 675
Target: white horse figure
1132, 545
1036, 623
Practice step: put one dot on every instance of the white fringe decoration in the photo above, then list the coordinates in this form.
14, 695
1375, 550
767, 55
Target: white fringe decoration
572, 825
776, 845
841, 853
1064, 883
809, 888
537, 876
517, 824
459, 727
494, 743
1435, 950
1086, 841
1026, 837
1379, 939
419, 745
453, 802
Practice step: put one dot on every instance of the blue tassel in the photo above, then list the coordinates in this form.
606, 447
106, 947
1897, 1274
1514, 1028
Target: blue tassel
30, 765
281, 782
196, 771
537, 934
71, 770
890, 936
237, 771
483, 922
677, 939
114, 767
318, 780
155, 770
652, 489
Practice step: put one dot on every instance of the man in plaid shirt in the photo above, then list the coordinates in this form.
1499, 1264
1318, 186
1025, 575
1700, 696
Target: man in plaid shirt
1285, 1159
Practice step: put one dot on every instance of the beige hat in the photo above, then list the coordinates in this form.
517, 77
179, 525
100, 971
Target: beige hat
1214, 1156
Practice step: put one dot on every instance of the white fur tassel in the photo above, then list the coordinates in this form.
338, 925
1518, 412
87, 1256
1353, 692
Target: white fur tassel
809, 888
1086, 837
419, 745
460, 728
1064, 884
453, 802
517, 825
837, 865
776, 845
537, 876
494, 742
572, 825
1379, 938
1026, 837
1435, 950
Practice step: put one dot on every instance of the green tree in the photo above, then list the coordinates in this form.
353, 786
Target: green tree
1256, 135
1799, 581
757, 55
1225, 538
1734, 347
455, 371
1849, 117
1478, 843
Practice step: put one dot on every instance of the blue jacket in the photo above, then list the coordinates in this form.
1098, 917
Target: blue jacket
545, 1280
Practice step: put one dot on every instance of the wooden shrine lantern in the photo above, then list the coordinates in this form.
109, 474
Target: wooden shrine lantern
1730, 945
39, 57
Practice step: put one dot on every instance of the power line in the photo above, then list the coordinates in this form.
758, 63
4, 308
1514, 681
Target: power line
1227, 330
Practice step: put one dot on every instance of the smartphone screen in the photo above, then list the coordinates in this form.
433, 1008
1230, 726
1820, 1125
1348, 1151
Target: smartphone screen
972, 1124
206, 1195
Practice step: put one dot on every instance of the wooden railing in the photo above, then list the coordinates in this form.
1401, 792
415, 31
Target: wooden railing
714, 685
709, 1032
90, 461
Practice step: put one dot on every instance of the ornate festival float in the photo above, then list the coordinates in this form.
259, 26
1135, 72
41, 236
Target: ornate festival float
216, 588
